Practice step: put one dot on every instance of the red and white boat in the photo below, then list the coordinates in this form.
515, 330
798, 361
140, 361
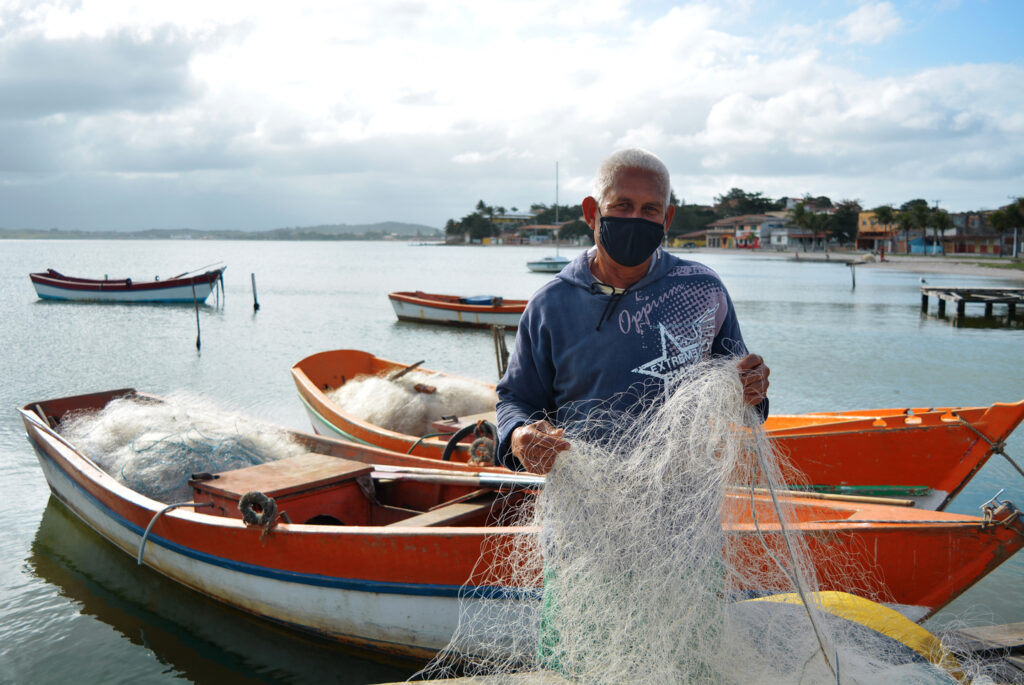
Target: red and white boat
479, 311
51, 285
376, 548
927, 454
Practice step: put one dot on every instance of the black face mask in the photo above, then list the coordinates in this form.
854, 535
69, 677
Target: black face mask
630, 241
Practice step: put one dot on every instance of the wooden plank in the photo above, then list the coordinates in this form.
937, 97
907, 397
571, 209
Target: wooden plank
1002, 638
284, 476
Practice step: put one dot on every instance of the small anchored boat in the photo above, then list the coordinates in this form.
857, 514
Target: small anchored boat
52, 285
927, 454
548, 265
373, 549
479, 311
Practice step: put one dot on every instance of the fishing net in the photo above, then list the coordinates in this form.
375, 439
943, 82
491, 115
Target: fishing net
649, 535
154, 447
412, 403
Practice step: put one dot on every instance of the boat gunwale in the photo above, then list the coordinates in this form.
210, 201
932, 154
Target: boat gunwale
422, 299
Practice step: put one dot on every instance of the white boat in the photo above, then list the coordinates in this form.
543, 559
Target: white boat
52, 285
548, 265
479, 311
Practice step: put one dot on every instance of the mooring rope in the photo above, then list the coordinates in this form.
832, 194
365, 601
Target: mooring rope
997, 447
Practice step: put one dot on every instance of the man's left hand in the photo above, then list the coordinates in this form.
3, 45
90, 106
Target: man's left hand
754, 377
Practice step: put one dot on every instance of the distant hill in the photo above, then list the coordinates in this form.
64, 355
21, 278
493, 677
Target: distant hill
383, 227
379, 231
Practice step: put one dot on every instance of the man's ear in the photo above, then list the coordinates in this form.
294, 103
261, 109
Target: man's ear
668, 216
590, 211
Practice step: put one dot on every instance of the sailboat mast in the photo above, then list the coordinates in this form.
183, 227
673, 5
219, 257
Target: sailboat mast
556, 207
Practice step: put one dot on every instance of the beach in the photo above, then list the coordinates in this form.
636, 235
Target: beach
951, 265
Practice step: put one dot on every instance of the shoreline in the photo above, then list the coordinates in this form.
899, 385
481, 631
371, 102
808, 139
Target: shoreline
955, 265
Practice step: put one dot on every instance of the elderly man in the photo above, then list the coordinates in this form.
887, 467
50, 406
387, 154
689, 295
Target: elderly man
618, 323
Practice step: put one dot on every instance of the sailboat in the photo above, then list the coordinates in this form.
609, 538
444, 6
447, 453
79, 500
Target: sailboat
551, 264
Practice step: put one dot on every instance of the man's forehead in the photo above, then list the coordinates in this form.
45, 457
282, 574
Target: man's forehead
636, 184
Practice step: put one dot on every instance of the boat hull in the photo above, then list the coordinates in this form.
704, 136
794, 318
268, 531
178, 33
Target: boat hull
54, 286
452, 310
547, 266
396, 588
412, 612
924, 454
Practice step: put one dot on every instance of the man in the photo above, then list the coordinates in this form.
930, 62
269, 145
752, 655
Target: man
618, 324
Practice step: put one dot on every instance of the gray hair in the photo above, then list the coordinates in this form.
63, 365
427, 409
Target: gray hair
630, 158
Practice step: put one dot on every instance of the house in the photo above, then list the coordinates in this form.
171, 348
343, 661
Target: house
972, 234
873, 236
748, 231
791, 237
691, 239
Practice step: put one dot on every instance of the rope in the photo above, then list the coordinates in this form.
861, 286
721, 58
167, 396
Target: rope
169, 507
997, 447
421, 439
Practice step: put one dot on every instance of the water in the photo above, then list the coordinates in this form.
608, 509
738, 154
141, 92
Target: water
71, 608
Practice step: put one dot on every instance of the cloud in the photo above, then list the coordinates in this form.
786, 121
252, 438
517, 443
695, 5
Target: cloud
40, 77
871, 23
268, 115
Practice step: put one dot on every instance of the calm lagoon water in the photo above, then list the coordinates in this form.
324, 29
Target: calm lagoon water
73, 609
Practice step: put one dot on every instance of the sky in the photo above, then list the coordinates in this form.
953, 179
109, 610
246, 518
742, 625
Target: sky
253, 115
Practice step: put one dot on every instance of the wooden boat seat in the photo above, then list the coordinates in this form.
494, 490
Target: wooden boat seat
452, 514
305, 486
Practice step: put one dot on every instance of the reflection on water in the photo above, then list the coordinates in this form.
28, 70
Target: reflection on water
196, 638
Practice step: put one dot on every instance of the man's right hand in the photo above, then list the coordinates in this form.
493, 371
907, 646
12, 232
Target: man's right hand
537, 445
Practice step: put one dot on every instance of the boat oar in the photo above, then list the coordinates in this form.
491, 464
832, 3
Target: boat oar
524, 480
805, 494
471, 478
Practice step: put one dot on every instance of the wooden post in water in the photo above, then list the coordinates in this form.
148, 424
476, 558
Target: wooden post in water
195, 303
853, 275
255, 303
942, 308
924, 302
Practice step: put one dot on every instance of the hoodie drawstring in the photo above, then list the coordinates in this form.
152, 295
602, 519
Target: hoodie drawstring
611, 306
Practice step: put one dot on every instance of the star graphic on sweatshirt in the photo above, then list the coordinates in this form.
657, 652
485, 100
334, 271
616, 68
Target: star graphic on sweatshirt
678, 353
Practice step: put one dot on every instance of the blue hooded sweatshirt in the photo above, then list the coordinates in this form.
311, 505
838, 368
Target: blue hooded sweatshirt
578, 348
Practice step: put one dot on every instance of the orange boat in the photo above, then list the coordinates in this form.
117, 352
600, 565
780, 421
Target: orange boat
925, 454
479, 311
376, 550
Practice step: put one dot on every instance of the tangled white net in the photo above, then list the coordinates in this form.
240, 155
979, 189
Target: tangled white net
154, 447
399, 406
646, 537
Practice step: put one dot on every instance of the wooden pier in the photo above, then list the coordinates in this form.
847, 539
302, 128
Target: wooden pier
1011, 297
1000, 648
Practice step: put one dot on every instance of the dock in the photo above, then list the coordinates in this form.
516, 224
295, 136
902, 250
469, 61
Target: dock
1011, 297
1001, 648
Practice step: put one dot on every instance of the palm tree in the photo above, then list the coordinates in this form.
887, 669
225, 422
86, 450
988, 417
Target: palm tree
800, 217
1015, 217
905, 221
940, 221
920, 215
884, 215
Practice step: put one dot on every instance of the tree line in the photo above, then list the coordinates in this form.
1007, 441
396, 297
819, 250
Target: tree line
836, 221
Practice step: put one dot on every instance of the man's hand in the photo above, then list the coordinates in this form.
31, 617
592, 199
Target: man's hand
537, 445
754, 377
